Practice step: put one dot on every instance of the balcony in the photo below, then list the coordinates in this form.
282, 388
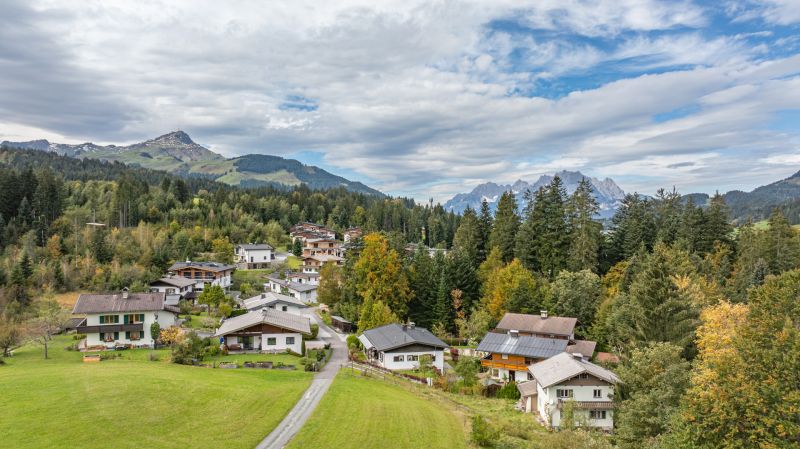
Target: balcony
503, 364
110, 328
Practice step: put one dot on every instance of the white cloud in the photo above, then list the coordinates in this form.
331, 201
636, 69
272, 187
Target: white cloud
421, 97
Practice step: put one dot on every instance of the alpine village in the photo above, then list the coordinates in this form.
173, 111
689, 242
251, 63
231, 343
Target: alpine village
143, 306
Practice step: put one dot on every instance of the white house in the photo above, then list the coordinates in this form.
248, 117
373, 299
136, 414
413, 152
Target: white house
202, 273
265, 330
253, 256
313, 263
122, 318
175, 288
276, 301
569, 377
304, 292
510, 354
399, 346
304, 278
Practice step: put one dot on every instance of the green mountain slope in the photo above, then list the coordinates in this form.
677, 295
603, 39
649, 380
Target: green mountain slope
176, 152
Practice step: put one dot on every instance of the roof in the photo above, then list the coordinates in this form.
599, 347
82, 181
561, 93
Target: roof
323, 257
527, 388
535, 324
115, 303
339, 319
265, 299
526, 346
208, 266
73, 323
272, 317
296, 286
304, 275
566, 366
583, 347
395, 335
176, 281
606, 357
252, 246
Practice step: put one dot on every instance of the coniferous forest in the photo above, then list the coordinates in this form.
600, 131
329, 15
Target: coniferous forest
704, 316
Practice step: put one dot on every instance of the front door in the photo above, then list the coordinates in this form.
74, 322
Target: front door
512, 376
247, 342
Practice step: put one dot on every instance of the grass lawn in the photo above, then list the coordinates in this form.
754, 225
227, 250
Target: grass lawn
363, 413
134, 403
196, 322
294, 262
256, 278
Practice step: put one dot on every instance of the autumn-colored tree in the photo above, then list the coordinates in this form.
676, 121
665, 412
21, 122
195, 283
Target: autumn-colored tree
223, 250
514, 289
171, 335
375, 314
380, 277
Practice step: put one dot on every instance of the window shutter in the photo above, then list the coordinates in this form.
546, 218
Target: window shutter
116, 335
126, 319
127, 335
102, 319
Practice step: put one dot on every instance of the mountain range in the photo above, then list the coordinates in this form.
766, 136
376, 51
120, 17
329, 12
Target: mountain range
177, 153
608, 194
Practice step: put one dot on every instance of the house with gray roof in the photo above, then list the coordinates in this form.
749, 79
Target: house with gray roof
569, 378
264, 330
305, 292
510, 354
253, 256
400, 346
176, 288
204, 273
122, 319
276, 301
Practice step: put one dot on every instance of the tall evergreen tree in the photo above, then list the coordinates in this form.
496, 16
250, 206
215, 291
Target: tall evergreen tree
423, 280
782, 244
586, 232
468, 237
668, 210
716, 226
485, 221
633, 227
506, 223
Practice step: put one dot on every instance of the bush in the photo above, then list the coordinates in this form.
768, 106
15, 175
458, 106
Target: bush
353, 342
188, 351
483, 434
320, 356
238, 312
314, 331
509, 391
79, 336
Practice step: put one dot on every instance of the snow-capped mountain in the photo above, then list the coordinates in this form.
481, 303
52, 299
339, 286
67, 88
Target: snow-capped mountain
608, 194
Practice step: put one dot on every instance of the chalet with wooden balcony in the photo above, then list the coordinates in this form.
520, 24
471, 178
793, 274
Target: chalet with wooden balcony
264, 330
122, 319
510, 354
570, 380
204, 273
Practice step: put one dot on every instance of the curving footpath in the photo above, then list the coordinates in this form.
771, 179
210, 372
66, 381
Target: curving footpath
298, 416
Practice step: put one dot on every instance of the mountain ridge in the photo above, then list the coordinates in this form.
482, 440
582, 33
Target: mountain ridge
608, 194
176, 152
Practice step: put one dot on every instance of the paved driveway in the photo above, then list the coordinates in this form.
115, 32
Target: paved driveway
298, 416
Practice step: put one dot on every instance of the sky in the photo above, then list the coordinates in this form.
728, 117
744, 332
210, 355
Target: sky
424, 98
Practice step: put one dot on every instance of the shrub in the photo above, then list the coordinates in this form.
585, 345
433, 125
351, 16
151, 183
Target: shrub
320, 355
188, 351
314, 331
509, 391
353, 342
154, 358
238, 312
171, 335
79, 336
483, 434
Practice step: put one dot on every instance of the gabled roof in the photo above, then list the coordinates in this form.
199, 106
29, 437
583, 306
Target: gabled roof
296, 286
115, 303
565, 366
535, 324
323, 257
392, 336
527, 388
583, 347
284, 320
269, 298
175, 281
208, 266
526, 346
254, 246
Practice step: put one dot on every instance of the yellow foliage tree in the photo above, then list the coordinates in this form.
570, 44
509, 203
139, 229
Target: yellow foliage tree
380, 277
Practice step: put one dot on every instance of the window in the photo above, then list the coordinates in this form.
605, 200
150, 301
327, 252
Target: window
412, 358
495, 372
109, 337
563, 393
583, 376
134, 335
597, 414
271, 341
398, 358
284, 308
109, 319
597, 393
134, 318
289, 340
504, 356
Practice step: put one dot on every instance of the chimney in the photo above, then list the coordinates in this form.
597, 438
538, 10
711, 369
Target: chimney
543, 313
513, 333
405, 326
411, 325
577, 355
125, 293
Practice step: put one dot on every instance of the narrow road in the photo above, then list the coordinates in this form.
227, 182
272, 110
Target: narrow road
298, 416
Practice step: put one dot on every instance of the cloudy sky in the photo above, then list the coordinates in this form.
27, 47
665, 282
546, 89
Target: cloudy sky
423, 98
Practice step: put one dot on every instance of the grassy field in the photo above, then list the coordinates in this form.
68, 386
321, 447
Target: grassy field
135, 403
364, 413
294, 262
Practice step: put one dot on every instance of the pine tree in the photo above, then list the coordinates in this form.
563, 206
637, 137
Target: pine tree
529, 237
716, 226
100, 248
423, 282
464, 277
668, 209
693, 222
468, 237
506, 223
632, 228
485, 221
374, 314
782, 244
